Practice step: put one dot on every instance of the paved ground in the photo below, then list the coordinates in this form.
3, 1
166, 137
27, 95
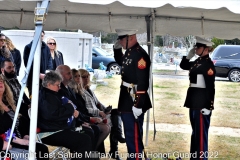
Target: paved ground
185, 128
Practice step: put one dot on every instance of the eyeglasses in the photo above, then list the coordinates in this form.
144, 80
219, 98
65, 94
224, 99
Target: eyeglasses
52, 44
84, 76
77, 76
3, 40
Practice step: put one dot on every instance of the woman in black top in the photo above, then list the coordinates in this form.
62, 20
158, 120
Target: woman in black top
56, 119
57, 56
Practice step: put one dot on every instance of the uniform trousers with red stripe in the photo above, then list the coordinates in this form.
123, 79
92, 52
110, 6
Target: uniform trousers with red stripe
199, 140
133, 139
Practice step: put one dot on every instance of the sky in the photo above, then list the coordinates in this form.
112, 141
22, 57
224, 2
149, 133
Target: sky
232, 5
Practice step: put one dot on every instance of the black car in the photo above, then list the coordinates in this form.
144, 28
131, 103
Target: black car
226, 59
99, 55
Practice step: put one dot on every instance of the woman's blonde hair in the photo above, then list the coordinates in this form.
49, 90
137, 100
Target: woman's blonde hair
51, 38
77, 88
84, 72
7, 96
9, 43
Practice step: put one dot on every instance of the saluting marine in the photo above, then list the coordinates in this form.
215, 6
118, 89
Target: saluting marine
200, 95
134, 100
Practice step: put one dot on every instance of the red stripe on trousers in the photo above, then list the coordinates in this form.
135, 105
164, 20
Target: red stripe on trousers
201, 135
136, 139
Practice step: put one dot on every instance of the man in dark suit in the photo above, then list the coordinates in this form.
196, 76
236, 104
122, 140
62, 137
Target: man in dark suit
82, 119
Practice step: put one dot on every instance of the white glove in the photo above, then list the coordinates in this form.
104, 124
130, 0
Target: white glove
136, 112
117, 45
205, 111
191, 53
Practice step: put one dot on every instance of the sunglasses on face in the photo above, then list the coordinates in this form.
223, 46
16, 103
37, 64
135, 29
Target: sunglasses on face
52, 44
84, 76
3, 40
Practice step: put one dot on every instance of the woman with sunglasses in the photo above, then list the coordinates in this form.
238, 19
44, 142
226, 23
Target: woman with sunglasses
200, 95
96, 108
57, 56
4, 51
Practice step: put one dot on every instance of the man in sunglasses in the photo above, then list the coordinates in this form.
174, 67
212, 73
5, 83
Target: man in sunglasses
134, 100
4, 52
200, 95
45, 64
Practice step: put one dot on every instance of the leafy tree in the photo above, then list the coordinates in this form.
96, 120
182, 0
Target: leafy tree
217, 42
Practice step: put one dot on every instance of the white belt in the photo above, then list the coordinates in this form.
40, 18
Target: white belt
130, 85
200, 82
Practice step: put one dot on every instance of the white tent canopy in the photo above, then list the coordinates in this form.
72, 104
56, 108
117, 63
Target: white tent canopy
167, 19
178, 21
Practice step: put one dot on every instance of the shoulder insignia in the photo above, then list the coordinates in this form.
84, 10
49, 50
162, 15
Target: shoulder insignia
141, 64
210, 72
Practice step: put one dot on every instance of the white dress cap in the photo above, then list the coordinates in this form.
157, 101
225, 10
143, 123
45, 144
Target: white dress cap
123, 32
203, 41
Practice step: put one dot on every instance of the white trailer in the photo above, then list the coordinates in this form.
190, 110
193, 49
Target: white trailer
76, 47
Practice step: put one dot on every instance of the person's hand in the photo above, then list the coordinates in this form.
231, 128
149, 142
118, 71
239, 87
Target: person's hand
205, 111
41, 76
26, 137
117, 45
5, 143
85, 124
96, 120
191, 53
102, 114
136, 112
24, 142
76, 113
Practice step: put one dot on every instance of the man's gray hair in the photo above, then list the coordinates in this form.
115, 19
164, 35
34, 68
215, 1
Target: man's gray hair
51, 77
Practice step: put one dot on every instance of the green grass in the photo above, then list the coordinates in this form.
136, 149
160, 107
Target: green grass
169, 97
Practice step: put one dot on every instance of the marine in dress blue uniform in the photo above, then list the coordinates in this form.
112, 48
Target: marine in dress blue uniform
200, 96
134, 100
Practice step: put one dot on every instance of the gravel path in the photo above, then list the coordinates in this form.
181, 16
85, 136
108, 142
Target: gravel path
185, 128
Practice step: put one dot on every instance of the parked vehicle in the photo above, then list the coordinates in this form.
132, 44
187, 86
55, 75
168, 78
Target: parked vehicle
99, 55
226, 59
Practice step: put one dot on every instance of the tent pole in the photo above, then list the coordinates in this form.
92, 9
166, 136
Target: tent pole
35, 84
151, 74
147, 18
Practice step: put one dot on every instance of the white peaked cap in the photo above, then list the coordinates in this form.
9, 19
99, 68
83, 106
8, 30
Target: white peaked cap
203, 41
123, 32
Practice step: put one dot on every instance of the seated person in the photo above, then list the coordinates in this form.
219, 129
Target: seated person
9, 75
66, 91
56, 121
96, 108
7, 112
